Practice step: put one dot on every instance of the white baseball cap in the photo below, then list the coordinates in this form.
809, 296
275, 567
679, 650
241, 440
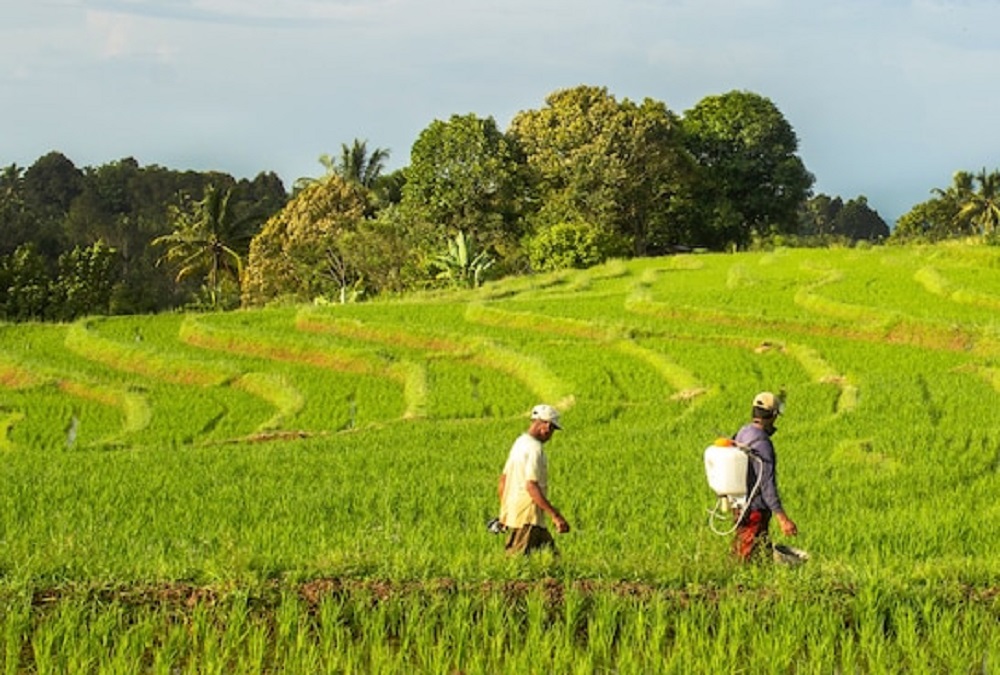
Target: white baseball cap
765, 400
546, 413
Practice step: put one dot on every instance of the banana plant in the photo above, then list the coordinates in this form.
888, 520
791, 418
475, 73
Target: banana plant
463, 266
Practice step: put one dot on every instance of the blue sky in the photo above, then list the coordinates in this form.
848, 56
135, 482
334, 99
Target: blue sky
888, 97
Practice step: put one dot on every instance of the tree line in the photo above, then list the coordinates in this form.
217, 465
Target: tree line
583, 178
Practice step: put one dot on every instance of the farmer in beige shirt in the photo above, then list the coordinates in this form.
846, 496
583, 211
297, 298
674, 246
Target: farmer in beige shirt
523, 484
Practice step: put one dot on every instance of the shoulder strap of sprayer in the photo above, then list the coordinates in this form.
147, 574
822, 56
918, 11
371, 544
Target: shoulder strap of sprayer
745, 447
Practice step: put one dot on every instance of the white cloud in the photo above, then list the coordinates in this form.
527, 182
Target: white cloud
111, 32
296, 10
876, 89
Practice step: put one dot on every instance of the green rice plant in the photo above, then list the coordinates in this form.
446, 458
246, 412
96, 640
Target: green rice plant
222, 340
314, 320
313, 356
14, 376
529, 370
438, 349
821, 371
459, 389
680, 379
933, 281
867, 317
133, 359
379, 627
356, 449
414, 377
477, 313
134, 406
278, 391
524, 285
51, 417
8, 419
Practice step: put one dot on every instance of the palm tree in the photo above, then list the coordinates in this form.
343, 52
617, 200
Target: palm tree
981, 207
355, 165
358, 166
210, 238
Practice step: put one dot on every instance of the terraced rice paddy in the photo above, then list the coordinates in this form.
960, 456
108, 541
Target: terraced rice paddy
303, 489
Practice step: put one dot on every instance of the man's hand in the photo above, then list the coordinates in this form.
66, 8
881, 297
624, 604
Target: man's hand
788, 528
539, 498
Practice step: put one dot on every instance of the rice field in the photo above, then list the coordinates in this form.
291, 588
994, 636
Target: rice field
304, 489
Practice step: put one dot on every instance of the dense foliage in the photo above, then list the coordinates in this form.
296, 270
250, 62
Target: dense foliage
53, 208
755, 181
970, 206
582, 179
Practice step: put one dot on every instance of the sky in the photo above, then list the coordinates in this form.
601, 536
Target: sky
888, 98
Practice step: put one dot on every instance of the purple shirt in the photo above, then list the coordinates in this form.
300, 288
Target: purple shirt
759, 441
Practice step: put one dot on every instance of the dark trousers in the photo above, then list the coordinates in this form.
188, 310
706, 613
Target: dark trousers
524, 540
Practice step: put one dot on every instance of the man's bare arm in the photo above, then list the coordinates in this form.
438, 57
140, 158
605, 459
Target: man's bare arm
539, 498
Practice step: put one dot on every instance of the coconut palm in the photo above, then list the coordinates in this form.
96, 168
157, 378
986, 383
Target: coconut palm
980, 208
355, 165
209, 238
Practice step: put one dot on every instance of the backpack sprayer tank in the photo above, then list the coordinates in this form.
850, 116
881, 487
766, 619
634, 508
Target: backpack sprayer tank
726, 470
726, 464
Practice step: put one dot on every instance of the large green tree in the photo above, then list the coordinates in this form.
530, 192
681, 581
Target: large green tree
930, 220
747, 150
360, 166
392, 252
303, 251
617, 165
49, 187
25, 280
859, 222
465, 175
828, 217
85, 282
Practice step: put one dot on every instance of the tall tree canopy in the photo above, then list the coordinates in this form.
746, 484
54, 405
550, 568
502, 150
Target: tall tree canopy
748, 151
825, 216
619, 166
465, 175
303, 250
15, 221
358, 165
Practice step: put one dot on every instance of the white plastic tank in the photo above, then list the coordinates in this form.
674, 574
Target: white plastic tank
726, 469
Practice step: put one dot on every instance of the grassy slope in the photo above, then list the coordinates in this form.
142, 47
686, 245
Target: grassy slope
889, 383
364, 441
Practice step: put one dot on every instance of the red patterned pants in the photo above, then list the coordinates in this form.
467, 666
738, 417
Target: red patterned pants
751, 535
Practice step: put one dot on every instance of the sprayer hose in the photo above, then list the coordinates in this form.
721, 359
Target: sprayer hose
714, 513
